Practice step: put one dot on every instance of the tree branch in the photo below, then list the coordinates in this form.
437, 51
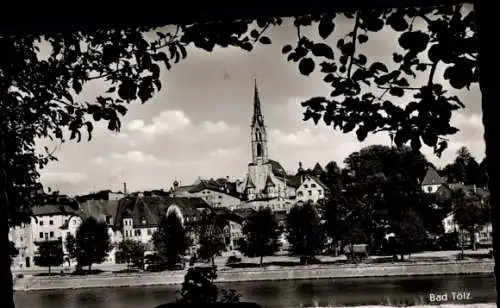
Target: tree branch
354, 37
431, 74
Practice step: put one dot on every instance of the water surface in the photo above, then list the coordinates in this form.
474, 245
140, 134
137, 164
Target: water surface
280, 294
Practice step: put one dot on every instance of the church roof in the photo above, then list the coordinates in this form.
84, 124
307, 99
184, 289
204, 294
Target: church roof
269, 181
277, 168
432, 177
250, 184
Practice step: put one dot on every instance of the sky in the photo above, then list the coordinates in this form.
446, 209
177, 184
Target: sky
199, 124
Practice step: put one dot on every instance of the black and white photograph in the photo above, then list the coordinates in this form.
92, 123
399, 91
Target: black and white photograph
323, 160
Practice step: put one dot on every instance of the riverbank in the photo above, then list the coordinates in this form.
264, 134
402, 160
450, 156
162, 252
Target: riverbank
29, 283
426, 306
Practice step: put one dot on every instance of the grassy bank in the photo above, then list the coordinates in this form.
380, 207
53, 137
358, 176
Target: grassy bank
270, 273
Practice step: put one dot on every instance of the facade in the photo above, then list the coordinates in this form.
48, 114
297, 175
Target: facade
220, 193
311, 189
266, 179
432, 181
22, 237
138, 217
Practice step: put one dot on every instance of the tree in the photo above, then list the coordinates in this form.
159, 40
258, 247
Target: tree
260, 234
71, 247
171, 240
304, 231
210, 230
132, 252
92, 242
13, 251
199, 288
470, 213
465, 169
50, 253
410, 234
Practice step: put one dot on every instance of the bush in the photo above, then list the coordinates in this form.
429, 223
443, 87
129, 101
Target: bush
233, 259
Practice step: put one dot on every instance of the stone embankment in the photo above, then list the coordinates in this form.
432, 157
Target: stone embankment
255, 274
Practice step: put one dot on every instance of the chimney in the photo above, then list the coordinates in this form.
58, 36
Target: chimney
475, 188
125, 188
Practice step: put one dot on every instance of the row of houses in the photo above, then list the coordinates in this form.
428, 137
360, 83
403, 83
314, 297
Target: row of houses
437, 185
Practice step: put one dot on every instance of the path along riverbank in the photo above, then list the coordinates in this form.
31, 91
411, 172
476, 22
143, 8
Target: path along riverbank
103, 280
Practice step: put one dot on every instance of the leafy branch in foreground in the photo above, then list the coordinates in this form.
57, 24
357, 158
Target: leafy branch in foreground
362, 89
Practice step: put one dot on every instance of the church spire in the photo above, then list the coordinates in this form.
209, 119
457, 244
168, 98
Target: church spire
258, 131
257, 119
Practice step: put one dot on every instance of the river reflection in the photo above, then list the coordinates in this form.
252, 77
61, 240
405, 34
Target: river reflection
277, 294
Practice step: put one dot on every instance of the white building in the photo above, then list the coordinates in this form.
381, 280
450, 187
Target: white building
219, 193
22, 237
311, 189
432, 181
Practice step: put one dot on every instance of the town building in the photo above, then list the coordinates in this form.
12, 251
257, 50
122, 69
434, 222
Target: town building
311, 189
219, 193
266, 179
432, 181
22, 237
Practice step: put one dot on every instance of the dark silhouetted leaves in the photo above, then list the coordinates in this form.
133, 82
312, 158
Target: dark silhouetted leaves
398, 92
265, 40
306, 66
429, 139
326, 26
415, 41
397, 22
322, 50
378, 66
361, 133
362, 38
286, 49
77, 86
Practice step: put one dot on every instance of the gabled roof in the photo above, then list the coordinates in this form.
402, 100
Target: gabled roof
269, 181
317, 181
54, 209
250, 184
146, 211
100, 209
432, 177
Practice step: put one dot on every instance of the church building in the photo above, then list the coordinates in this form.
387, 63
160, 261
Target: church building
266, 179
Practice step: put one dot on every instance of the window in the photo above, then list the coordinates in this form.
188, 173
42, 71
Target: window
313, 185
41, 235
51, 234
41, 222
150, 232
300, 194
429, 189
51, 222
310, 193
306, 186
319, 192
138, 232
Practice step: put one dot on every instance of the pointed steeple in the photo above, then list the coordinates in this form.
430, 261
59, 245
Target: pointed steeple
257, 119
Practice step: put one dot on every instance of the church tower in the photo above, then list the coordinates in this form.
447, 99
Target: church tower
258, 132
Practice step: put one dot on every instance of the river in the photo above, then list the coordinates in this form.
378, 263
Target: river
278, 294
